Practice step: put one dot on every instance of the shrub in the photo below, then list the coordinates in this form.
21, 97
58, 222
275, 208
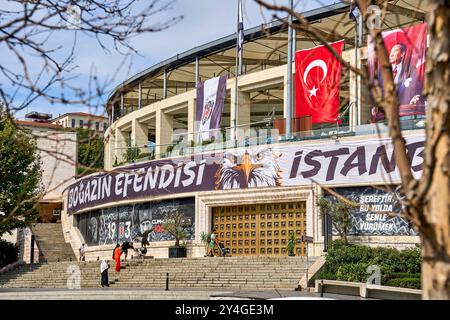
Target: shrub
410, 260
354, 272
350, 262
9, 253
398, 275
326, 275
145, 155
412, 283
132, 154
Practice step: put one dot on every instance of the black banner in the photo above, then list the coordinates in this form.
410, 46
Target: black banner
128, 223
371, 217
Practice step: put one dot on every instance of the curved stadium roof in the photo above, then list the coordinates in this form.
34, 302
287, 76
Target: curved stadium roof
265, 47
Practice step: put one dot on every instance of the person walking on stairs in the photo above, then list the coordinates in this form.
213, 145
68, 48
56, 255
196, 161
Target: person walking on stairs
104, 272
82, 252
116, 256
212, 243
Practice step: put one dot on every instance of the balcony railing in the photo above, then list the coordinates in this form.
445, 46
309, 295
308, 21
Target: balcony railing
259, 136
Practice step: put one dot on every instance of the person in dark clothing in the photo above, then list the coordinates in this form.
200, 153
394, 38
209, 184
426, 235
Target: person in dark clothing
104, 273
144, 242
125, 246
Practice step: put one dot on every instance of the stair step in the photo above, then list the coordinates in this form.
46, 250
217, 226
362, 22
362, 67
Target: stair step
258, 273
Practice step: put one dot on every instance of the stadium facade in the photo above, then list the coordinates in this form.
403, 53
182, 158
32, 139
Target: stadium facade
254, 183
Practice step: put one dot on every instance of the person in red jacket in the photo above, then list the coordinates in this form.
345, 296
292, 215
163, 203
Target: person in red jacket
116, 256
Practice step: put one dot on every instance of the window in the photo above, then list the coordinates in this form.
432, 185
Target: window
97, 126
105, 126
73, 123
81, 123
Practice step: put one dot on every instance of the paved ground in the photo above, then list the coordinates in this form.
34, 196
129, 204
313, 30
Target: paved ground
158, 294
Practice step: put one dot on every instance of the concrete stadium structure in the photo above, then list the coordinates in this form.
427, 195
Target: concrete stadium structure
152, 115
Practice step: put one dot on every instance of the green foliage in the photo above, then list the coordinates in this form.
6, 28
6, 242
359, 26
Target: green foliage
132, 154
169, 149
339, 213
9, 253
350, 263
202, 143
412, 283
398, 275
81, 172
324, 274
20, 169
208, 141
90, 149
411, 259
205, 237
148, 155
175, 224
290, 248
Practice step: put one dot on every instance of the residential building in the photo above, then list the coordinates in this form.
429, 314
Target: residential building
82, 120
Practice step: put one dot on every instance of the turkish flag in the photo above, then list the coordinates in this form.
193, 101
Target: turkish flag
317, 77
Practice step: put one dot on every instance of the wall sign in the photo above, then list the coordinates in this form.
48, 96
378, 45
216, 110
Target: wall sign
367, 221
367, 161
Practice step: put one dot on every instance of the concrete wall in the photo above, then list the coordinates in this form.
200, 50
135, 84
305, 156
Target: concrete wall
58, 155
22, 238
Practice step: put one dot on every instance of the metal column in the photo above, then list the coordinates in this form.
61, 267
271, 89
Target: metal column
140, 96
165, 84
289, 76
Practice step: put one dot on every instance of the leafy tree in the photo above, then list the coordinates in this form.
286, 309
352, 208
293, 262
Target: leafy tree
339, 213
174, 224
90, 151
20, 172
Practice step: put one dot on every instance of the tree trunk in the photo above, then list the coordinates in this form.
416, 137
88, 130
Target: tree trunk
435, 273
433, 193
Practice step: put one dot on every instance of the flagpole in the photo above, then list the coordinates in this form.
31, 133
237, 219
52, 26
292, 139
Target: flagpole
289, 76
238, 71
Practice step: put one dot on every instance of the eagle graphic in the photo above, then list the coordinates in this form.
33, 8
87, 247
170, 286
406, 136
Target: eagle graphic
248, 169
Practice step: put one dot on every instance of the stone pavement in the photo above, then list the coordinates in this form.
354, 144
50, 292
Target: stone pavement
155, 294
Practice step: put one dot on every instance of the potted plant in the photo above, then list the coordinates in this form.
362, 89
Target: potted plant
205, 238
290, 248
174, 224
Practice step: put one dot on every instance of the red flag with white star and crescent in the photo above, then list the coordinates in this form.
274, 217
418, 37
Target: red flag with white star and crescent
317, 76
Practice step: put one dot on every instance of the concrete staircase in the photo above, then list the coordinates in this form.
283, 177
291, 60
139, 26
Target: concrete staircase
50, 240
243, 273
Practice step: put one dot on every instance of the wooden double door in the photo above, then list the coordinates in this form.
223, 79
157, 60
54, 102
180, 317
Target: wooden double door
261, 229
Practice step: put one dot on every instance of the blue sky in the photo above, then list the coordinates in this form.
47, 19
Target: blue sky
203, 21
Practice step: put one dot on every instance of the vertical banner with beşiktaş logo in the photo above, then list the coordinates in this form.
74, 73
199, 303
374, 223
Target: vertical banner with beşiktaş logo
210, 101
406, 49
317, 77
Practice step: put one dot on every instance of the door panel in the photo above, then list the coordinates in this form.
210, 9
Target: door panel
260, 229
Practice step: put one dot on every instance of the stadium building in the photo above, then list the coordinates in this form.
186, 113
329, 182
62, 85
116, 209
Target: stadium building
258, 180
